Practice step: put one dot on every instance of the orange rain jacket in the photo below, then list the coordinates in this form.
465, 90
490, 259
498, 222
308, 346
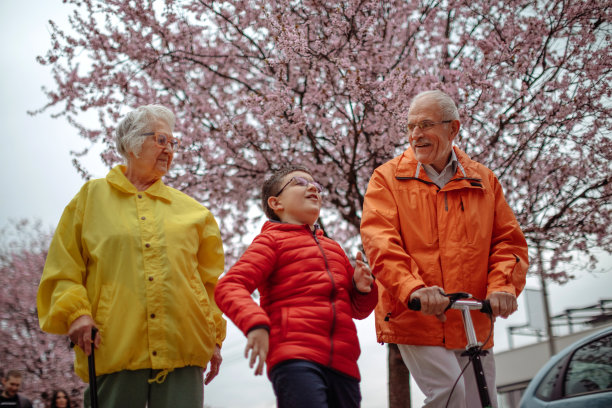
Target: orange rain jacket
463, 238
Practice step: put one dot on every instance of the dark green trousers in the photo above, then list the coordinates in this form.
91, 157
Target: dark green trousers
181, 388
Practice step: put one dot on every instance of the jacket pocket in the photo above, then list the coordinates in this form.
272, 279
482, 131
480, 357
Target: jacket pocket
392, 307
197, 289
104, 306
200, 302
470, 224
517, 276
419, 216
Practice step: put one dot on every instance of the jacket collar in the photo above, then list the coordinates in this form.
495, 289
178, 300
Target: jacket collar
116, 178
285, 226
408, 167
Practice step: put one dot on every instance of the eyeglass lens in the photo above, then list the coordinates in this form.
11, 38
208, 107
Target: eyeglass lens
162, 140
301, 181
421, 125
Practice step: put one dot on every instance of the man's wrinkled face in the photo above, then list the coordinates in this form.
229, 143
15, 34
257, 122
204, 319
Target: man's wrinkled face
433, 145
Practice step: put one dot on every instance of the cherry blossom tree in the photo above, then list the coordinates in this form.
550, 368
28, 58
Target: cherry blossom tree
258, 83
44, 359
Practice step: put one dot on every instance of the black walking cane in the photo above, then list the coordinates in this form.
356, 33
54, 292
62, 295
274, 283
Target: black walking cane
93, 386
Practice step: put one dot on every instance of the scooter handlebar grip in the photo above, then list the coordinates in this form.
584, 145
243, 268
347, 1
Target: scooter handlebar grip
486, 307
414, 304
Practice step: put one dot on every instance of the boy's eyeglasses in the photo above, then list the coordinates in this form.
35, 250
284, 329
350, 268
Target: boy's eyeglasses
163, 139
425, 125
301, 181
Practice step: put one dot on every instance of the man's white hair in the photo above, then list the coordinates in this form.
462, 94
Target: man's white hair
445, 102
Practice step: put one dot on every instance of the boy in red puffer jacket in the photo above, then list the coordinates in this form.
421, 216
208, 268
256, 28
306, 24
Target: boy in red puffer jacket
309, 294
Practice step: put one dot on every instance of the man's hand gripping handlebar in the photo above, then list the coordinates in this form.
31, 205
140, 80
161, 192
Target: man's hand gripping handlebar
456, 302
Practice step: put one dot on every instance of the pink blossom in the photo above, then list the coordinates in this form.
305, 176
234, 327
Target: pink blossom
256, 84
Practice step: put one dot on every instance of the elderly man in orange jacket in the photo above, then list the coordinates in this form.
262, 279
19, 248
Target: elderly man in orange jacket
436, 221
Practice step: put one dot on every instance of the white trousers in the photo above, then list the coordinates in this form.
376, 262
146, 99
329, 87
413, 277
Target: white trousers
435, 370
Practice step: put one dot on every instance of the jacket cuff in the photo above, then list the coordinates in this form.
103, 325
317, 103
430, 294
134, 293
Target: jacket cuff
76, 314
259, 326
506, 289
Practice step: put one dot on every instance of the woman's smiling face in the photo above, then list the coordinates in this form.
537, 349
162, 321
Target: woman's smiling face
154, 159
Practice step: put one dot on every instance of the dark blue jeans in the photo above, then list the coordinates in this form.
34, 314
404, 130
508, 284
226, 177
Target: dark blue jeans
303, 384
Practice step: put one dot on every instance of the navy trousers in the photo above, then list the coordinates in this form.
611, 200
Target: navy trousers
304, 384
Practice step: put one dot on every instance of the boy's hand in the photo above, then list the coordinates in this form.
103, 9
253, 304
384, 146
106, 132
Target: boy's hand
258, 343
363, 275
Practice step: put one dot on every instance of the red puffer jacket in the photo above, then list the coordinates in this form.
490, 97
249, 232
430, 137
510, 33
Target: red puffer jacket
307, 297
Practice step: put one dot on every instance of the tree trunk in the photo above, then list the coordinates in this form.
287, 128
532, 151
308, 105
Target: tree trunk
399, 380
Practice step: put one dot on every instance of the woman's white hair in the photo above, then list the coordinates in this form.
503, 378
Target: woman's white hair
129, 134
445, 102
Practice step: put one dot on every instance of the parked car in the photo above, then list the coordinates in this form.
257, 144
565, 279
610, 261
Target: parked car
577, 377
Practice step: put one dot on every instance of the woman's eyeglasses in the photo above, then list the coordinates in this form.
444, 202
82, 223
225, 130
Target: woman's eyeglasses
163, 139
301, 181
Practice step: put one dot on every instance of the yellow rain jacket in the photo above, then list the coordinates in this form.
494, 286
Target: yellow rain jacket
144, 265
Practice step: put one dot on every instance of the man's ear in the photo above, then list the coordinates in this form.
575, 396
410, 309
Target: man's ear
275, 204
455, 126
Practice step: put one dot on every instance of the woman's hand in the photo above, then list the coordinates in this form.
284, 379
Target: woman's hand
215, 364
80, 333
363, 275
258, 341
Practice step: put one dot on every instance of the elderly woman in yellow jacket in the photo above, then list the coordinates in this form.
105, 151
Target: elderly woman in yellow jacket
139, 261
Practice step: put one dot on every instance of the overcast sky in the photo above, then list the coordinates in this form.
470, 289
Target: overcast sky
37, 180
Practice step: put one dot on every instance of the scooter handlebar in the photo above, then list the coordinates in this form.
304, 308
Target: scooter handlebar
483, 306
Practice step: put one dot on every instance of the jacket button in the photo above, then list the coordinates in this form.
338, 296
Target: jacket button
139, 195
154, 353
150, 278
152, 315
143, 218
148, 245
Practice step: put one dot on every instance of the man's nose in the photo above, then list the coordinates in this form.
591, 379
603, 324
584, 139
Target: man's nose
415, 134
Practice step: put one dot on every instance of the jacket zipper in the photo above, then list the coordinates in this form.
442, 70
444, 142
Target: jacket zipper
475, 182
333, 294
